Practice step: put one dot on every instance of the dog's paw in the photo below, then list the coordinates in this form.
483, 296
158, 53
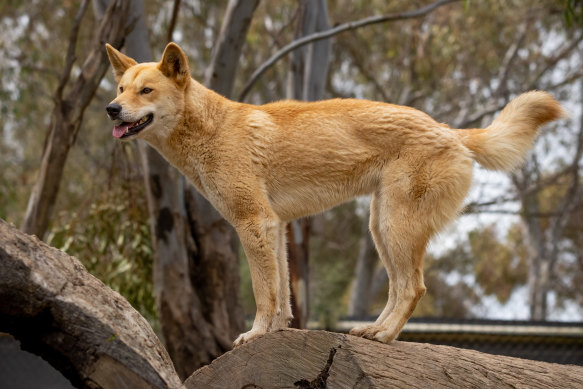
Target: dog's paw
280, 322
385, 335
366, 331
248, 336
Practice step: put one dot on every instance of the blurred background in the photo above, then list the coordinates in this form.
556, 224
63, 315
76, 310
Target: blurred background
515, 253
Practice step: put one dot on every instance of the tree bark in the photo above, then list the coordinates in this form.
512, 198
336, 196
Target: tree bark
298, 247
67, 114
220, 75
306, 81
318, 359
208, 262
84, 329
187, 336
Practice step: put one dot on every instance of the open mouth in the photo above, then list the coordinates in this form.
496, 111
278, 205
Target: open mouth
127, 129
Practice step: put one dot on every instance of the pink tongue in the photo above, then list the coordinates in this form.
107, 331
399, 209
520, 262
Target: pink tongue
118, 131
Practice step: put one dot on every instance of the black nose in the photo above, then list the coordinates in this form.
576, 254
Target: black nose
113, 110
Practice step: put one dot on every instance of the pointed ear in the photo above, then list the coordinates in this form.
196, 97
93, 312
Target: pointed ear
174, 64
119, 62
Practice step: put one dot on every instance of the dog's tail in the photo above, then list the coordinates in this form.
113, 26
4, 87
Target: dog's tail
503, 145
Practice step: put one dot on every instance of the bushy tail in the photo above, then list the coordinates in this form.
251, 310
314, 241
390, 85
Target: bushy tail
503, 145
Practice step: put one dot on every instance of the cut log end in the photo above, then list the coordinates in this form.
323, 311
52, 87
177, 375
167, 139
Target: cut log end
83, 328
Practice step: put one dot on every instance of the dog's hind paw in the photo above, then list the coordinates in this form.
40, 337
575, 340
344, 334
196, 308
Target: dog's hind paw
365, 331
280, 322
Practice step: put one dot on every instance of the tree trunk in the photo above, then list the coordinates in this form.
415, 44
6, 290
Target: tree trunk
318, 359
361, 295
306, 81
298, 239
212, 262
186, 334
196, 275
67, 114
545, 234
220, 75
537, 256
84, 329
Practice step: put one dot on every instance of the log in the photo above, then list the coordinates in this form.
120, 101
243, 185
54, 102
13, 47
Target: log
92, 335
319, 359
59, 311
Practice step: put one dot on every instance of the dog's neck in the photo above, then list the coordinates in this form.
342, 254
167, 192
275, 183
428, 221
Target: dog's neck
201, 121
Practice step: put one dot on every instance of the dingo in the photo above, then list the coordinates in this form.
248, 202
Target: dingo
262, 166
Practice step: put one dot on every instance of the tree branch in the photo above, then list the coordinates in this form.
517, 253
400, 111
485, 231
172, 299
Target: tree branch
335, 31
566, 50
71, 57
173, 19
473, 207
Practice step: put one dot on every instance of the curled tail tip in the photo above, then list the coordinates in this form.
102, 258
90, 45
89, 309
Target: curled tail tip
504, 144
543, 106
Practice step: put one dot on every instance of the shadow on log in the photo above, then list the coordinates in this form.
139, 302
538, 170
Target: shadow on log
91, 334
59, 311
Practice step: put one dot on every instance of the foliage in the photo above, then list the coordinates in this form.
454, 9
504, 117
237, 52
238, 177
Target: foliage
573, 12
333, 252
499, 267
447, 297
110, 235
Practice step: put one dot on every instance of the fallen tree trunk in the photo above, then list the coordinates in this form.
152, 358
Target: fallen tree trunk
92, 335
59, 311
319, 359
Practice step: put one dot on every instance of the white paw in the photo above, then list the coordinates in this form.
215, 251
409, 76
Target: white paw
385, 336
248, 336
365, 331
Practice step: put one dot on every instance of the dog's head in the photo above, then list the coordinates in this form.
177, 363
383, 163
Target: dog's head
149, 95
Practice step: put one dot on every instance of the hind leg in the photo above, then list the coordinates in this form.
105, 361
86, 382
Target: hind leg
406, 245
375, 230
416, 200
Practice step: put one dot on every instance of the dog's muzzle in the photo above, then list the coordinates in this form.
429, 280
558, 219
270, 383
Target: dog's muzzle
113, 110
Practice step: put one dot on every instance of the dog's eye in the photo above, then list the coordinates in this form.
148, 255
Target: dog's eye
145, 91
121, 89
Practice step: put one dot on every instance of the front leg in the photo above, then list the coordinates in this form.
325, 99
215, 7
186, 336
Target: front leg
259, 238
285, 317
